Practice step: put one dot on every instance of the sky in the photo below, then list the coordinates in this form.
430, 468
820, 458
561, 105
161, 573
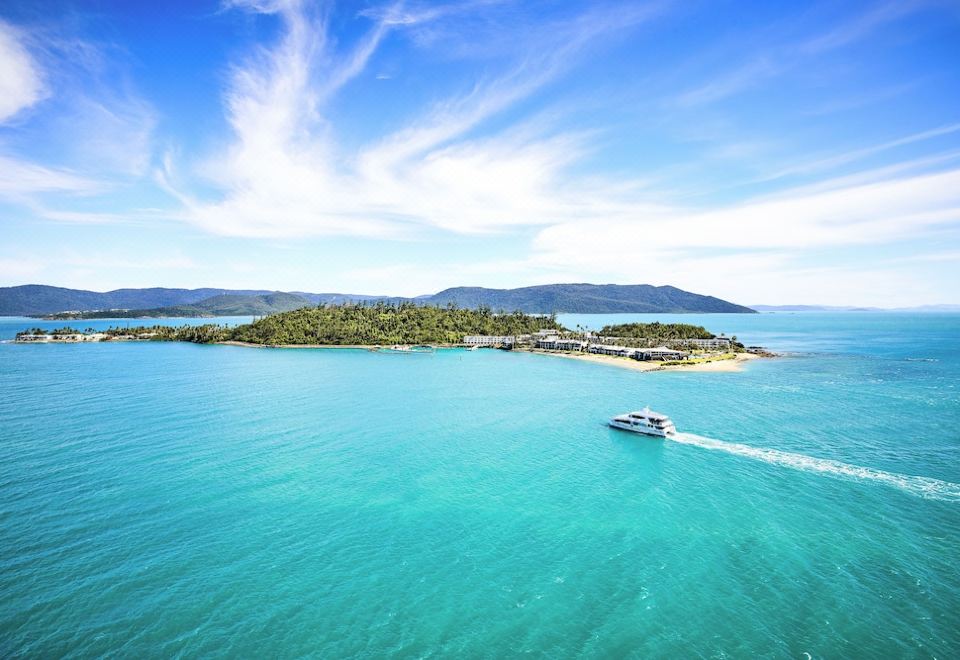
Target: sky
765, 153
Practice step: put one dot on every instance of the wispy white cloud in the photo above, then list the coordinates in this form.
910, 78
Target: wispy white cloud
93, 270
849, 101
867, 213
781, 58
861, 26
20, 178
764, 236
732, 82
21, 80
836, 160
102, 131
284, 176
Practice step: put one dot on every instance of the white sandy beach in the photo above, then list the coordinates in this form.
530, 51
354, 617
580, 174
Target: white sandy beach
734, 364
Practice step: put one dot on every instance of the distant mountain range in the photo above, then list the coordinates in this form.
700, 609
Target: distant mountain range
588, 299
227, 304
36, 299
850, 308
39, 300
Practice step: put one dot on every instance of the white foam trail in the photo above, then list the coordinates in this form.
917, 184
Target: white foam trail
932, 489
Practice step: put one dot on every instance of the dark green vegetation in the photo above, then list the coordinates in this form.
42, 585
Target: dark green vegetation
383, 323
35, 300
199, 334
222, 305
351, 324
653, 334
660, 331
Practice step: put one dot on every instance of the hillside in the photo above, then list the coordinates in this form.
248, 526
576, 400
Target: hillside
34, 300
588, 299
221, 305
39, 299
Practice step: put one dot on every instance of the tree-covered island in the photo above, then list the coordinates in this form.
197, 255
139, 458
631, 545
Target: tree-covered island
333, 325
410, 324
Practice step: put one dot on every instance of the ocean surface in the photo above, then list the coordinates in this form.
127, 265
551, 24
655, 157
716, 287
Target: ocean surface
166, 499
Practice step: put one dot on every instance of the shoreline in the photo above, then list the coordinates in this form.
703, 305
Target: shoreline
729, 365
364, 347
245, 344
723, 366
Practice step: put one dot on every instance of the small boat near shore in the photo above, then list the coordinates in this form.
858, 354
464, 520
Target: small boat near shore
646, 422
397, 348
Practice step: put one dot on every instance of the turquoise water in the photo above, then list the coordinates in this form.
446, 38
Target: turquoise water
164, 499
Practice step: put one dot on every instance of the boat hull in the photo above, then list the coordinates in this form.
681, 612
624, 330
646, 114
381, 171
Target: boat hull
642, 430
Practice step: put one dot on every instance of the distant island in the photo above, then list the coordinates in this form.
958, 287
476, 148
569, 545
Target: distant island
930, 309
220, 305
60, 303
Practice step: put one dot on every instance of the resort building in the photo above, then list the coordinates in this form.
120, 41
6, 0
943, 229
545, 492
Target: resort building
659, 353
41, 338
62, 337
610, 349
554, 343
489, 340
545, 332
716, 342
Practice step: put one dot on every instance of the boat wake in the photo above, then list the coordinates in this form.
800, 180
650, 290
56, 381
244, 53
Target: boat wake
925, 487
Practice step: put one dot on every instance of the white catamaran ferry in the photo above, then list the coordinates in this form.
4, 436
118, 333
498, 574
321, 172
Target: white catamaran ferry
645, 421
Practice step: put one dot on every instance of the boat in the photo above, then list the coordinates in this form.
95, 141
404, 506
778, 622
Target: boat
645, 421
399, 348
473, 348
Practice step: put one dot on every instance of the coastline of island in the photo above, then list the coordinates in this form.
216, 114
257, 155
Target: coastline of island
731, 364
409, 328
727, 364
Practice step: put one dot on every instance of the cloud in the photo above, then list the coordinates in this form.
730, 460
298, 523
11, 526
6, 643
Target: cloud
284, 175
19, 178
21, 81
755, 236
861, 26
116, 133
92, 270
782, 58
733, 82
97, 132
845, 158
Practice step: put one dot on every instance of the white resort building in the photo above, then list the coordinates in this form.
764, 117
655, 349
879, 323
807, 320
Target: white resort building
716, 342
62, 337
659, 353
611, 349
490, 340
554, 343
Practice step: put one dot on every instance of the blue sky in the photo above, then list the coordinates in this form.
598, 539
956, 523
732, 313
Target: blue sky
761, 152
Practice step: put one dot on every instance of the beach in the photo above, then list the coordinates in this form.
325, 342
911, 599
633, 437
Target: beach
730, 365
366, 347
727, 365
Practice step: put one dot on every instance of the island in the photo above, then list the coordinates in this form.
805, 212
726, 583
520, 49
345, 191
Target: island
401, 326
